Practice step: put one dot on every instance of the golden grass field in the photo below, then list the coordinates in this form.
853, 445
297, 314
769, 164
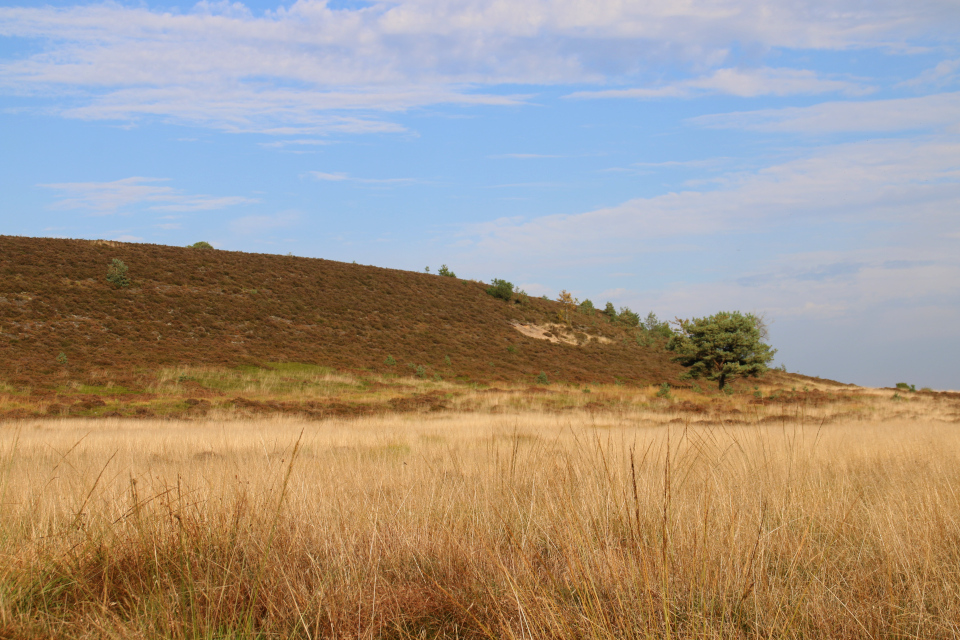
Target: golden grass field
498, 518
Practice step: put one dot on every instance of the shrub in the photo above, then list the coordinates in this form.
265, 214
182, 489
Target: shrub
420, 372
587, 307
445, 271
542, 378
62, 359
390, 361
117, 274
610, 311
628, 317
903, 386
203, 244
446, 360
501, 289
653, 324
664, 391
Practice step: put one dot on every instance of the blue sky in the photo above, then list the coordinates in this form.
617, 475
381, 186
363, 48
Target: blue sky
798, 159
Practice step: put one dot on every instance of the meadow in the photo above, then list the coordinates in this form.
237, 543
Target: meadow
511, 513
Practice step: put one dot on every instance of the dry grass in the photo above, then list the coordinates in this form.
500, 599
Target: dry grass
517, 523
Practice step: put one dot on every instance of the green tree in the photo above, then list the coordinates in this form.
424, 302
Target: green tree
501, 289
445, 271
203, 244
721, 347
628, 317
610, 311
117, 273
587, 307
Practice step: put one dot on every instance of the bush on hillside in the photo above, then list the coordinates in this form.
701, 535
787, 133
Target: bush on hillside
446, 272
117, 274
610, 311
587, 307
628, 317
501, 289
200, 245
653, 324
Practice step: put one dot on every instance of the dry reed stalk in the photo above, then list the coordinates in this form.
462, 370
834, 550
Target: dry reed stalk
514, 525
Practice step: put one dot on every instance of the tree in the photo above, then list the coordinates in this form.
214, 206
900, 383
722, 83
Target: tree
568, 304
501, 289
628, 317
721, 347
445, 271
610, 311
117, 273
203, 244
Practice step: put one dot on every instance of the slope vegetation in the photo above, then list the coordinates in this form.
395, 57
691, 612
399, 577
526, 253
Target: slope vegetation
227, 309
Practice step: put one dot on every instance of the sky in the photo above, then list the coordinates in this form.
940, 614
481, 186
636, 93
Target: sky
798, 159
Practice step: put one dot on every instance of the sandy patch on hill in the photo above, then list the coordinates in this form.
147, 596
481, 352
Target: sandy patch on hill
557, 333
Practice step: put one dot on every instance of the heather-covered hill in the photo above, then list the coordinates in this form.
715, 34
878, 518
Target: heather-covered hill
224, 308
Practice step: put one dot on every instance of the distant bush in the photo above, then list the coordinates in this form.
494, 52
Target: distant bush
501, 289
906, 387
542, 378
203, 245
390, 361
652, 324
445, 271
610, 311
62, 359
117, 274
628, 317
420, 372
587, 307
664, 391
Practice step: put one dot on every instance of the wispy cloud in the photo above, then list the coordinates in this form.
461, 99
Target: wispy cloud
249, 225
343, 177
876, 182
748, 83
944, 73
525, 156
104, 198
311, 69
934, 112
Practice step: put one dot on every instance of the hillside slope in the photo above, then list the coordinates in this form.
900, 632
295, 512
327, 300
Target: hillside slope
223, 308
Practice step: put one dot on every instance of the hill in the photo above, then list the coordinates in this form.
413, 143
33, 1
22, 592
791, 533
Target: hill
228, 309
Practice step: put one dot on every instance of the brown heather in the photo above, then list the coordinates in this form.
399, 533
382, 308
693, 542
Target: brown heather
223, 308
832, 515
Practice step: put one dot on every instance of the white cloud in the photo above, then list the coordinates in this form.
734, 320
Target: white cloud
109, 197
944, 73
877, 181
524, 156
737, 82
343, 177
298, 70
249, 225
903, 114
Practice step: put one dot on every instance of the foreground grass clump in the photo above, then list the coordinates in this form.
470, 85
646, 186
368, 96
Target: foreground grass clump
526, 525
